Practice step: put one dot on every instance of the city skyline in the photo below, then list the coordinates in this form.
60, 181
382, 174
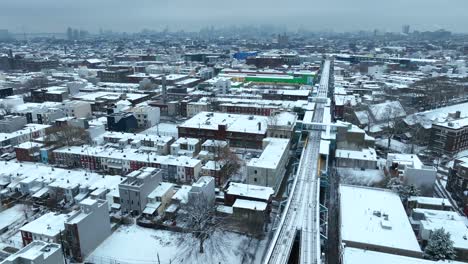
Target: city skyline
335, 15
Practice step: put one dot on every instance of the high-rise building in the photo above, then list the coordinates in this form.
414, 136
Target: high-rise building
4, 34
69, 33
405, 29
76, 34
283, 40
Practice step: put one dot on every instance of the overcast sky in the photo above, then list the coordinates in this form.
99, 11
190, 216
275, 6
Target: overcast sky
134, 15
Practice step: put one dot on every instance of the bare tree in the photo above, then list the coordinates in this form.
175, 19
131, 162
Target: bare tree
66, 136
369, 120
393, 124
201, 218
228, 161
418, 135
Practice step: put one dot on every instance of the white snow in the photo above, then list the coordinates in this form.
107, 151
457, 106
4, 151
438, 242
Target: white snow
386, 110
249, 205
360, 177
359, 222
135, 244
398, 146
360, 256
11, 215
50, 224
251, 191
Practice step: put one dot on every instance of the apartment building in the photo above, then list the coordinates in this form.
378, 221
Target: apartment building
239, 130
87, 227
77, 109
135, 189
268, 170
457, 183
450, 137
159, 199
183, 146
203, 190
412, 171
147, 116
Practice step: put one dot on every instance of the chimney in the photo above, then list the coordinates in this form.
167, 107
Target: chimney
259, 126
164, 88
10, 54
457, 114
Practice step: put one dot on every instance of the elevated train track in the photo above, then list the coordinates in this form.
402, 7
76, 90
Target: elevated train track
301, 213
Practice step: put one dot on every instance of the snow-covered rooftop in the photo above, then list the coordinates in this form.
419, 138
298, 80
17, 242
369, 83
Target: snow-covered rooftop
233, 122
250, 205
161, 190
251, 191
130, 154
452, 222
272, 153
411, 160
181, 194
50, 224
376, 217
430, 201
364, 154
361, 256
387, 110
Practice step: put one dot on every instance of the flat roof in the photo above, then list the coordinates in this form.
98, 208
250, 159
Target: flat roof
11, 215
33, 251
182, 194
161, 190
50, 224
250, 205
360, 220
272, 153
364, 154
452, 222
234, 122
430, 201
360, 256
130, 154
251, 191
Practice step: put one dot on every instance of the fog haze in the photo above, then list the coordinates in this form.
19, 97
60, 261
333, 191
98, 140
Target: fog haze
133, 16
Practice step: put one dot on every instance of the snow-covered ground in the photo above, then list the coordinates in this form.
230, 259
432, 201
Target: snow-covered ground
359, 177
461, 154
398, 146
11, 215
135, 244
13, 218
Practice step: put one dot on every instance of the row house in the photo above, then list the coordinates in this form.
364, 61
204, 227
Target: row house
115, 161
248, 109
29, 132
150, 143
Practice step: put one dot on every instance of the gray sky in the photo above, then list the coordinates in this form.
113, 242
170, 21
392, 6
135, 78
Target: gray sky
134, 15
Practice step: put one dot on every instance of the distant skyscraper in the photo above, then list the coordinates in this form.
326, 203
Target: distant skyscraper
76, 34
283, 40
4, 34
69, 33
405, 29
